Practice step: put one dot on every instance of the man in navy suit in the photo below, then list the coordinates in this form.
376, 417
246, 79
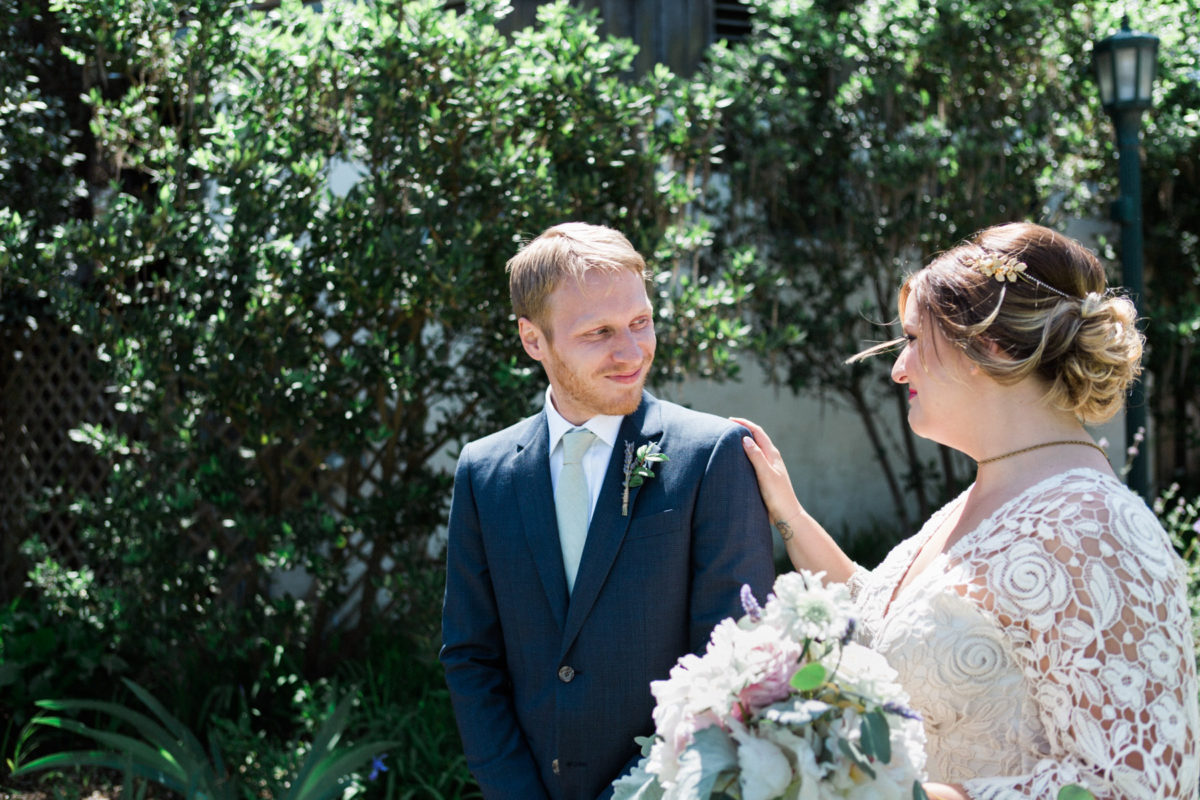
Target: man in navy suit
556, 620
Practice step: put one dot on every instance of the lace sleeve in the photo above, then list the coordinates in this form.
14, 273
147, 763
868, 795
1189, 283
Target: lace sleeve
1092, 596
856, 582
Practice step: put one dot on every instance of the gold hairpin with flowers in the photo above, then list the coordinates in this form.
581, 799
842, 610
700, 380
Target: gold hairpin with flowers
1006, 268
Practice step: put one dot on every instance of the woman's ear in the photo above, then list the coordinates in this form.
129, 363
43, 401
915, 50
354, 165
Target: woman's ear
995, 350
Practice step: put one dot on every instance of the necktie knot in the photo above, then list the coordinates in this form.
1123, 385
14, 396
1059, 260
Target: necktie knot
575, 444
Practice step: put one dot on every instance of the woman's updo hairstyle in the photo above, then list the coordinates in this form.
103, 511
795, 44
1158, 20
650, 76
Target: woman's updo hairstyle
1054, 318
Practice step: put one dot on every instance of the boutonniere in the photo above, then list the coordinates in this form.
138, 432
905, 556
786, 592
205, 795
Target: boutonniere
638, 468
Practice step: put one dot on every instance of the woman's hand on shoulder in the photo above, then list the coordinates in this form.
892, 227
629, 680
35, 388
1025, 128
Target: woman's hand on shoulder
808, 545
773, 480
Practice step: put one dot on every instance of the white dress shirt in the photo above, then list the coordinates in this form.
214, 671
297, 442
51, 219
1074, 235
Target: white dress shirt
595, 460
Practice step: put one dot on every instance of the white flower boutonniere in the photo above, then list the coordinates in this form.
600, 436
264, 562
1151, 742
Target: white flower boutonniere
638, 468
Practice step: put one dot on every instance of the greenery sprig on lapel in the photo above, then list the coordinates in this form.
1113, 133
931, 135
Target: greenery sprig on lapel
638, 468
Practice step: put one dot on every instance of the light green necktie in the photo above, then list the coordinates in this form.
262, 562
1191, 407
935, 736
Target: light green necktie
571, 501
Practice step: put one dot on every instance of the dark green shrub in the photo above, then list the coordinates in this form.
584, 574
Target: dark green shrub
404, 697
156, 748
862, 138
1171, 208
1181, 518
289, 267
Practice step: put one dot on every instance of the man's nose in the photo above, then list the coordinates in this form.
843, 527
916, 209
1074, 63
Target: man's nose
627, 347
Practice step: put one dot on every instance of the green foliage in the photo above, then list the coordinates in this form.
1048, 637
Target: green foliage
51, 648
294, 286
863, 137
405, 698
165, 752
282, 234
1181, 519
1171, 209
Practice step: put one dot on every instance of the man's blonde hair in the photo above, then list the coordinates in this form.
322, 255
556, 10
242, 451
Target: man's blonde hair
567, 250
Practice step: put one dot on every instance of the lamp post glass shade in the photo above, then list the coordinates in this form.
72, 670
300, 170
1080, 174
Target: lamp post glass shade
1125, 65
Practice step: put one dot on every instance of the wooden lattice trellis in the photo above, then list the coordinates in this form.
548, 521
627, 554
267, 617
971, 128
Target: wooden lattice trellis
46, 389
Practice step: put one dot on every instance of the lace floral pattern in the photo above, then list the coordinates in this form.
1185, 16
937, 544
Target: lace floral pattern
1050, 645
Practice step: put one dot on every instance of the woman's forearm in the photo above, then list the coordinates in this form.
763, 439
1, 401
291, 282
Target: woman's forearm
810, 547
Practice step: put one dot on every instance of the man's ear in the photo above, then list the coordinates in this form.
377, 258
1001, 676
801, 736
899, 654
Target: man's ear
532, 338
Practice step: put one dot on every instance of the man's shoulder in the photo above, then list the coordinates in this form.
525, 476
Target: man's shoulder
698, 424
504, 440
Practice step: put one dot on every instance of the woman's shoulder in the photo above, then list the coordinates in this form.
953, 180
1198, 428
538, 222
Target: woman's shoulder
1085, 536
1085, 503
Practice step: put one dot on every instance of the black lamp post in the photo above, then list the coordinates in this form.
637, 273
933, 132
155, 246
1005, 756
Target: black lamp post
1125, 66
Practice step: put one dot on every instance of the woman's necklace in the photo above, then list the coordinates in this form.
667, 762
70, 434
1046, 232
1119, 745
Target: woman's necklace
1084, 442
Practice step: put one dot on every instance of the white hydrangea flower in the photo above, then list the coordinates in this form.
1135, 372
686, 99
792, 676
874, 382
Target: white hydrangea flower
804, 607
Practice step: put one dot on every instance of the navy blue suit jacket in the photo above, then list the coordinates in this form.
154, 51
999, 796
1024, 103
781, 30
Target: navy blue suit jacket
549, 690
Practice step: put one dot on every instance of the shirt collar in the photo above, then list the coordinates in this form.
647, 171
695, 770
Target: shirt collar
605, 426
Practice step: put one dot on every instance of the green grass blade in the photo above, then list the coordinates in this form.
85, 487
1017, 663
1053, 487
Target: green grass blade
325, 740
326, 773
172, 739
97, 758
142, 753
150, 730
180, 731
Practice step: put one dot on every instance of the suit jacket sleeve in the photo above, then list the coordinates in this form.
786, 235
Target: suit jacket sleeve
473, 654
731, 539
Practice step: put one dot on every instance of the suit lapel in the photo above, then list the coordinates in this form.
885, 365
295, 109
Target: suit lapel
533, 497
608, 526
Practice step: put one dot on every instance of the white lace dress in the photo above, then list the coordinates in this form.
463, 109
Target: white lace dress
1050, 645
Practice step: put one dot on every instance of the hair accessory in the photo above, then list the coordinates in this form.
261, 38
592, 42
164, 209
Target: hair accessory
1006, 268
1001, 267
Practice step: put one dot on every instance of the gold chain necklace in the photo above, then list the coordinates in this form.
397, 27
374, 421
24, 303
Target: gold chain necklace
1083, 442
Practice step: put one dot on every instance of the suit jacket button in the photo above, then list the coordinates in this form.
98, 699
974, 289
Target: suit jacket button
566, 674
554, 766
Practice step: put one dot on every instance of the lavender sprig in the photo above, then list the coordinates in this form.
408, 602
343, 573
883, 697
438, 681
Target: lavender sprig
751, 606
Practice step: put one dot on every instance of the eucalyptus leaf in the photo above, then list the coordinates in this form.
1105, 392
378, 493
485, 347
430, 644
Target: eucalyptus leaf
875, 736
851, 751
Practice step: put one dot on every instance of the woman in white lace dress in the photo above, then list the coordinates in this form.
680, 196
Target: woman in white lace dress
1038, 621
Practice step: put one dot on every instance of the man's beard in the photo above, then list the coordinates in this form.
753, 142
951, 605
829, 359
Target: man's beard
579, 392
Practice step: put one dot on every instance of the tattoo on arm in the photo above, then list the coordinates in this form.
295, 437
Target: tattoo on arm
785, 530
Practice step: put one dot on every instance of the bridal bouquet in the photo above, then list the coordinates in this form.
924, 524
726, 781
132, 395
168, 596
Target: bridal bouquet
781, 705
